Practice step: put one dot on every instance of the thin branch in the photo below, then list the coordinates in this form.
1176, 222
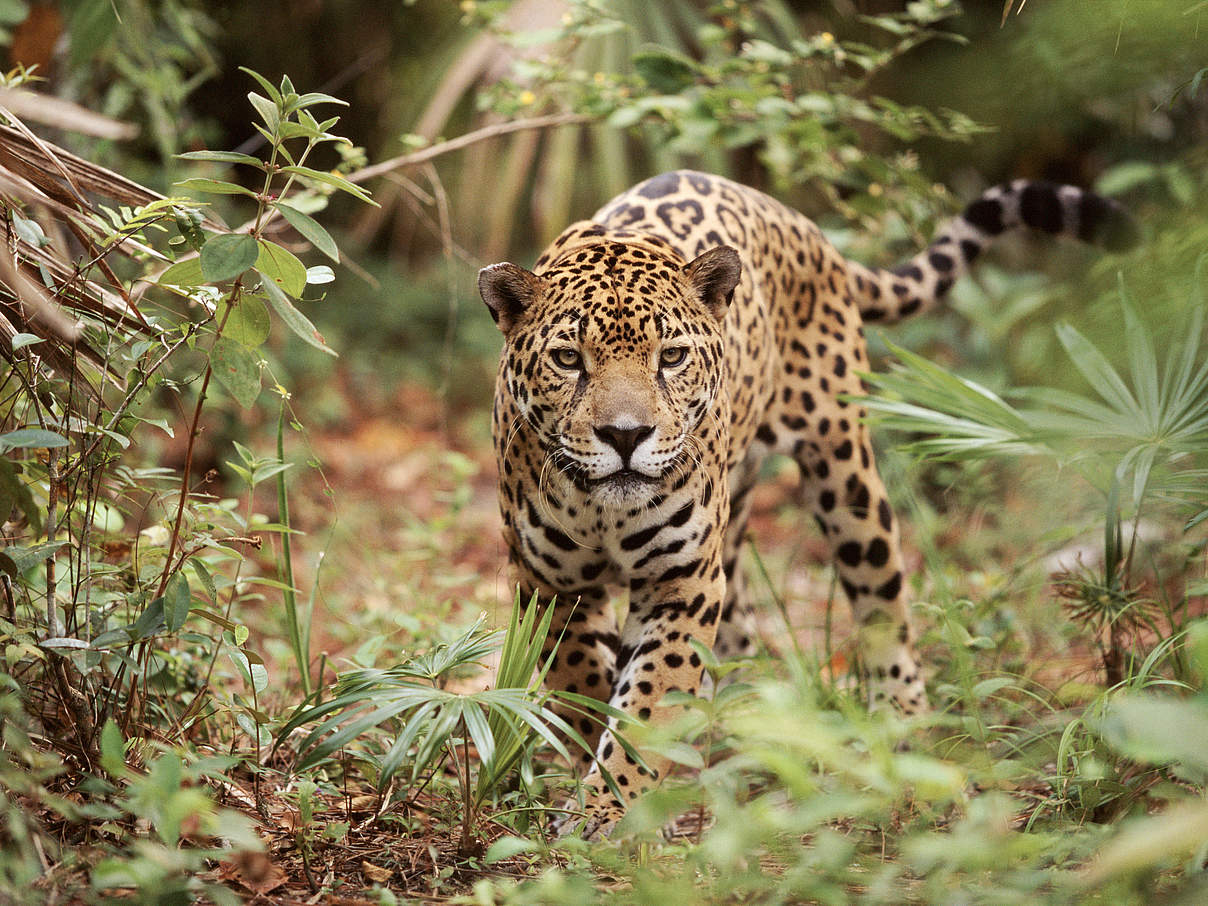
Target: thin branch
464, 141
434, 151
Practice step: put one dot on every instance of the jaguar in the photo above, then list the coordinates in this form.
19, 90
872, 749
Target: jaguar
653, 358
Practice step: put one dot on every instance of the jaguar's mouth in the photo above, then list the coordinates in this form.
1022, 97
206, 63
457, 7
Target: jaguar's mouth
624, 480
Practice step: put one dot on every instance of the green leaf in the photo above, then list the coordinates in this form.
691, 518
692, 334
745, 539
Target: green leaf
319, 275
24, 557
509, 847
664, 71
294, 319
680, 753
227, 256
268, 86
203, 576
183, 273
224, 157
282, 267
176, 602
267, 109
332, 179
150, 621
21, 340
1146, 842
26, 438
237, 369
1158, 730
113, 750
310, 230
1126, 176
1098, 371
316, 97
214, 186
248, 323
988, 687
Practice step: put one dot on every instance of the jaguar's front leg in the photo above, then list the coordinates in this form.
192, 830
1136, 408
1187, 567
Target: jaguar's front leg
656, 657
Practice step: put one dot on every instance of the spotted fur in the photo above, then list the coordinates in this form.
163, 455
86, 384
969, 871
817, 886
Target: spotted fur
653, 358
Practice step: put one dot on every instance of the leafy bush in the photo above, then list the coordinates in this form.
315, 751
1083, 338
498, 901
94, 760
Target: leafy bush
105, 629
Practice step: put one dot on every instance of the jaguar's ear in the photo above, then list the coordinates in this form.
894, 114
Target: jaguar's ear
713, 277
507, 289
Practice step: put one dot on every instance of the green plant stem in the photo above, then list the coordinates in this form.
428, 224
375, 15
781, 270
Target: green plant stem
299, 640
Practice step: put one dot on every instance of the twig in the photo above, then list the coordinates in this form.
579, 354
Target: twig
464, 141
431, 153
194, 430
52, 503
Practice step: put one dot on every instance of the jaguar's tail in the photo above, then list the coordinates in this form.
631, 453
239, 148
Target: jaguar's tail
888, 295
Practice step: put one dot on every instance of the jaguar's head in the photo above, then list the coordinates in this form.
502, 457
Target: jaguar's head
614, 355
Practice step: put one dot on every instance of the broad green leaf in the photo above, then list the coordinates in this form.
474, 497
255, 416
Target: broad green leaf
183, 273
176, 602
310, 230
1148, 841
150, 621
25, 557
680, 753
227, 256
319, 275
1158, 730
248, 323
214, 186
988, 687
267, 109
21, 340
282, 267
237, 369
332, 179
224, 157
509, 847
1128, 175
930, 777
294, 319
664, 71
113, 749
188, 222
26, 438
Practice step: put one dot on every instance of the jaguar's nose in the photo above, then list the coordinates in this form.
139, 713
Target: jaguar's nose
623, 440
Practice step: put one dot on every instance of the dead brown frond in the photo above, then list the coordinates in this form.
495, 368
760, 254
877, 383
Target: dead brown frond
54, 274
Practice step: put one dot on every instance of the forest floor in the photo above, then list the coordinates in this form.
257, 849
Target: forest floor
404, 517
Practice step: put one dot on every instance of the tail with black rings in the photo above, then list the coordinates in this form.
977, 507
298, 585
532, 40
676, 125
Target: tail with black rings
888, 295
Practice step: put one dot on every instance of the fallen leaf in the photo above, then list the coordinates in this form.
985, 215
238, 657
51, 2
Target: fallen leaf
376, 873
255, 871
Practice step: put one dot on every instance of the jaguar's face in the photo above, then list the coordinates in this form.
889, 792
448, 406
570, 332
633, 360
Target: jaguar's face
615, 358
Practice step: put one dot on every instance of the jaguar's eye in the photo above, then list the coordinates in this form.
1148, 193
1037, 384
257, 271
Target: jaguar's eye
565, 357
672, 356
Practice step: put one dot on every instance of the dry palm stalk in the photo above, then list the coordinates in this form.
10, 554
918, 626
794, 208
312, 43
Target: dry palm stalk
44, 289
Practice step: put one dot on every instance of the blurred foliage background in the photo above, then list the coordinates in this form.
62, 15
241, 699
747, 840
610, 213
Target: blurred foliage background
1057, 89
